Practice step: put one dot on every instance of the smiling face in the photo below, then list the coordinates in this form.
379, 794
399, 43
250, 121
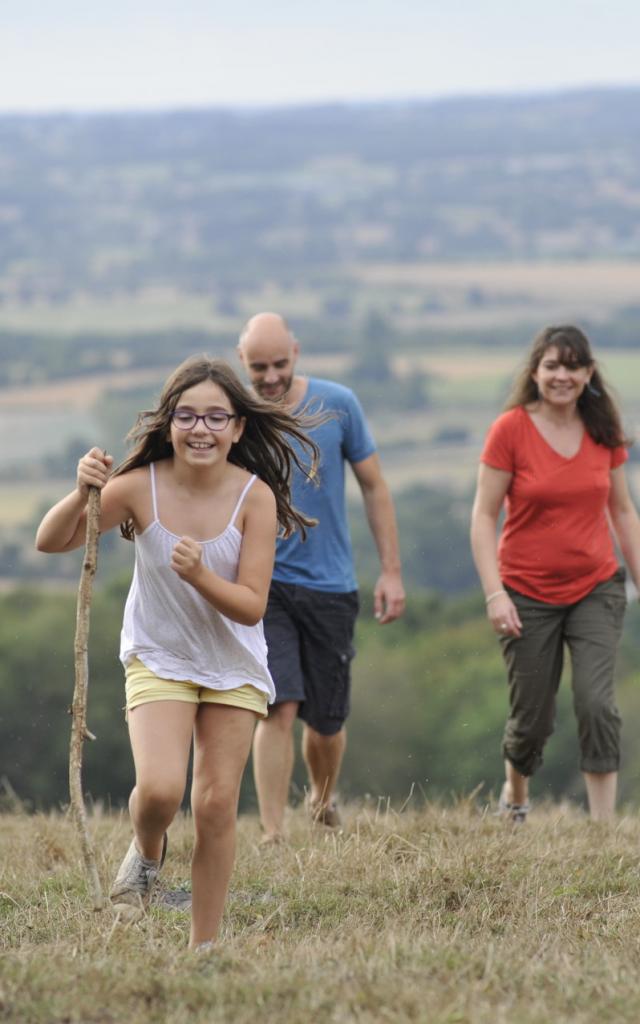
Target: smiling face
200, 445
560, 380
269, 353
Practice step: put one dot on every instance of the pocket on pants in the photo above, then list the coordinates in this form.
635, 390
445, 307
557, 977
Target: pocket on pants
339, 704
615, 607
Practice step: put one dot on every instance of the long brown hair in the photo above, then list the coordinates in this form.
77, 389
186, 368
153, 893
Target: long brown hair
264, 447
596, 406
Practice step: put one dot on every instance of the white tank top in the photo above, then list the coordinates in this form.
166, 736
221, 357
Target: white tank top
178, 634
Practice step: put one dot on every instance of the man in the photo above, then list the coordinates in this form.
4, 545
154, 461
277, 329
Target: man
313, 601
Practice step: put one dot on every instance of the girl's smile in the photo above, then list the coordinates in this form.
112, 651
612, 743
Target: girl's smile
210, 404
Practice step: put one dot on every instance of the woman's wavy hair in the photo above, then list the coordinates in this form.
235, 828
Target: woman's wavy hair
596, 406
264, 448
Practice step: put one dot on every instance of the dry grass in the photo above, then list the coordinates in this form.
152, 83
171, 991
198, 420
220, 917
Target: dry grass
441, 915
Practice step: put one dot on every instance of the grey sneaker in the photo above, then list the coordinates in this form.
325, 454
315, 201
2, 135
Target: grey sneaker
516, 813
136, 878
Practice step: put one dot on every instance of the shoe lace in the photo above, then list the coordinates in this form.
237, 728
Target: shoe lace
140, 877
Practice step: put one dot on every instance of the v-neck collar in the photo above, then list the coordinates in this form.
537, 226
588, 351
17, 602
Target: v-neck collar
565, 458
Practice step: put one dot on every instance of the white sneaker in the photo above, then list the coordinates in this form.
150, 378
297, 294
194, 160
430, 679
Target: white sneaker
136, 879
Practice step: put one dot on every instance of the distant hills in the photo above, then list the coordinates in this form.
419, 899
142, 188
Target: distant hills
214, 202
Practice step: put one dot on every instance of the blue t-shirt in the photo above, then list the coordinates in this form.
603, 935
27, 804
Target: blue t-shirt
324, 561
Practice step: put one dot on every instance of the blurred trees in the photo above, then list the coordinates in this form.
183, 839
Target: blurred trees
429, 698
371, 372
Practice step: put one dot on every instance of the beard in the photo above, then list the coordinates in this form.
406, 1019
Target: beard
274, 392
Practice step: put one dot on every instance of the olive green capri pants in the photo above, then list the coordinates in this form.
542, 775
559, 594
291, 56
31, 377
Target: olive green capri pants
591, 629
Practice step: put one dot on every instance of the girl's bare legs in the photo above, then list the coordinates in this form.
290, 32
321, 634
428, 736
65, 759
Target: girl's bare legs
160, 734
516, 787
222, 742
601, 791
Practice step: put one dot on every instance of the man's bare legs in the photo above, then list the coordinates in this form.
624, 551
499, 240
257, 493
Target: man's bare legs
323, 758
273, 765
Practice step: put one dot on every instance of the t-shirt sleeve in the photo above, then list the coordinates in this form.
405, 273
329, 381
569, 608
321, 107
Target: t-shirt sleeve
619, 455
499, 446
357, 442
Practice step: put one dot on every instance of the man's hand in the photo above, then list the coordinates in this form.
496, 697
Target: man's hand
388, 597
186, 558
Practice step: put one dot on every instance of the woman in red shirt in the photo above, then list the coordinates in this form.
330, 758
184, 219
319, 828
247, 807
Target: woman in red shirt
555, 459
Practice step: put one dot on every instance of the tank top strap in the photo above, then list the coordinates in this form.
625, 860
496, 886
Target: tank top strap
152, 471
245, 489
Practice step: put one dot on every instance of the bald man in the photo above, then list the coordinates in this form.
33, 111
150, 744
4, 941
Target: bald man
313, 600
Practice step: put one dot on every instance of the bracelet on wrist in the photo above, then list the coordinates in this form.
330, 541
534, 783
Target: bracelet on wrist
497, 593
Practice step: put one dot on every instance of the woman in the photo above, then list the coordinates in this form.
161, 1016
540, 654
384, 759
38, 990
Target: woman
555, 458
203, 493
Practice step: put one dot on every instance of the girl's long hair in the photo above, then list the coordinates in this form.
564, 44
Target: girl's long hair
264, 447
596, 406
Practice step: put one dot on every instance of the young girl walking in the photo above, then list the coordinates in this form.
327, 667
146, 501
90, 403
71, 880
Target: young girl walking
202, 493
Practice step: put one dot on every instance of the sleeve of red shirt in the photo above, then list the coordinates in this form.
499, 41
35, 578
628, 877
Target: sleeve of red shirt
498, 451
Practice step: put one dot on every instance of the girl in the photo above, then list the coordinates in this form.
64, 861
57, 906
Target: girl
202, 492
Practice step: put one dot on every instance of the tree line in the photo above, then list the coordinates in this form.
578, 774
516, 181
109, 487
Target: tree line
429, 698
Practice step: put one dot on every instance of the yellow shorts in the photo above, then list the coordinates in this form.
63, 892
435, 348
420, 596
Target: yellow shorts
142, 686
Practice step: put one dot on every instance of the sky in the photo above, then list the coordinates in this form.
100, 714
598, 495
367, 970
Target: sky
83, 55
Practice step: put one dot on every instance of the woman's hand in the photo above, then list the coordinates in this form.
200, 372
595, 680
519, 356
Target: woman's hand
186, 558
503, 616
93, 471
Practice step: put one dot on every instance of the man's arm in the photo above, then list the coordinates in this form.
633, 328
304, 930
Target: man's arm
388, 595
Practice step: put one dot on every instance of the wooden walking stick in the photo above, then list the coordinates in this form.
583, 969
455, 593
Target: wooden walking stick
78, 710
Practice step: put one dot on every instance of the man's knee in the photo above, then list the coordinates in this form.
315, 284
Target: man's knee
281, 716
324, 739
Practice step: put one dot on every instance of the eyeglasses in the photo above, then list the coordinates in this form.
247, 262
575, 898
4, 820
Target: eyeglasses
217, 420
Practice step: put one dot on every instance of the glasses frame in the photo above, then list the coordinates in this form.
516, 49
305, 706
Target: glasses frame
196, 417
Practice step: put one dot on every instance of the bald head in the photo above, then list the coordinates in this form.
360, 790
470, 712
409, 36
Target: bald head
265, 327
269, 351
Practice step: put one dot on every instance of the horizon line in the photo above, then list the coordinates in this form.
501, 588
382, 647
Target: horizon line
542, 92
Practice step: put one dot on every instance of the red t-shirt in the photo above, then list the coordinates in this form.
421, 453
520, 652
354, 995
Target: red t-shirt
556, 544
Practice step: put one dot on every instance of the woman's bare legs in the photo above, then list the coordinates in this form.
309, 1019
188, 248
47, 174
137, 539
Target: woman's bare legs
160, 734
601, 791
516, 789
223, 737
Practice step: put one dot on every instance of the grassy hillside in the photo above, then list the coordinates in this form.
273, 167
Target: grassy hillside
434, 915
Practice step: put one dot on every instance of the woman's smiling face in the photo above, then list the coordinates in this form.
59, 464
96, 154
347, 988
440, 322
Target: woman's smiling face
560, 382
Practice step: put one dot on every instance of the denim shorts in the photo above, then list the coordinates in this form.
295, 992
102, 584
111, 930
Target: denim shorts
309, 636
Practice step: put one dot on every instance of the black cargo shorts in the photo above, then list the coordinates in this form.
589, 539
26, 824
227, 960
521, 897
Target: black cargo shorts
309, 636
